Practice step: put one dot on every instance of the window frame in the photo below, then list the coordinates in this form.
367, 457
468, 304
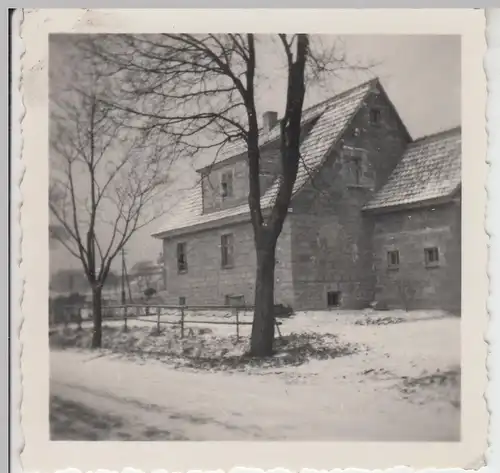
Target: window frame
358, 169
356, 158
338, 296
431, 251
226, 186
184, 269
227, 251
390, 264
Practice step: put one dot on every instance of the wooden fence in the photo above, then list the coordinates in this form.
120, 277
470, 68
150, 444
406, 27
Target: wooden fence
142, 312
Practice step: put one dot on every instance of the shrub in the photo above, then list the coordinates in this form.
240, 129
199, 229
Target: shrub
281, 310
63, 307
149, 292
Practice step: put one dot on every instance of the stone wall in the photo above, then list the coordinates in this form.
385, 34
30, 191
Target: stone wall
331, 239
414, 285
207, 283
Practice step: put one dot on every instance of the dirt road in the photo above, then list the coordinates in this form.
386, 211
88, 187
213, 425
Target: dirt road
323, 401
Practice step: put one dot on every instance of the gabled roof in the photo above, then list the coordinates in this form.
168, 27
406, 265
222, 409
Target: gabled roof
308, 115
429, 170
333, 116
144, 268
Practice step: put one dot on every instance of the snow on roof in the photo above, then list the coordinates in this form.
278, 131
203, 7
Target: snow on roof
429, 169
333, 116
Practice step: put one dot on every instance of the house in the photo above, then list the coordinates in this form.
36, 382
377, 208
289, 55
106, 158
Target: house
69, 281
374, 216
146, 274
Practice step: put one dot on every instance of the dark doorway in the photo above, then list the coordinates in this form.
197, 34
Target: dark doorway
333, 299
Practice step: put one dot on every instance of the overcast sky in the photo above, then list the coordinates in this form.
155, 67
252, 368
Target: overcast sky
421, 75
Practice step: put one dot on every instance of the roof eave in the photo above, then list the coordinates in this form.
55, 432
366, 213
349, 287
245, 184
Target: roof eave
217, 223
413, 205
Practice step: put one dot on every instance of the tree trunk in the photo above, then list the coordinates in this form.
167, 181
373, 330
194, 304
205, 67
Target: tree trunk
263, 322
97, 316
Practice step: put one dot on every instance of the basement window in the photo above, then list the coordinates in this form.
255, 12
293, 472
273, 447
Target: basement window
235, 301
182, 300
393, 259
333, 299
431, 257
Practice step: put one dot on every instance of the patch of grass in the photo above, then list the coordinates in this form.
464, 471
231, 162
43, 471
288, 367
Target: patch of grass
388, 320
204, 350
443, 385
73, 421
291, 350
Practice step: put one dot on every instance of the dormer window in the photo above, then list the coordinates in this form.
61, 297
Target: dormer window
226, 184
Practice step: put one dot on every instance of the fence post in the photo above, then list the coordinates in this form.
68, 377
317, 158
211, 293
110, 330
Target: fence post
125, 327
237, 314
158, 311
278, 328
182, 322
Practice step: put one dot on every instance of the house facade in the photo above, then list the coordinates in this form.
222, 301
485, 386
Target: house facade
374, 217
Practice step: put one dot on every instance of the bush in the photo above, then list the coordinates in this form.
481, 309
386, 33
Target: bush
76, 299
149, 292
63, 307
281, 310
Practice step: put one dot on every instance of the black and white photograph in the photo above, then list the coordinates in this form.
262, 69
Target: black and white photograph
253, 239
260, 235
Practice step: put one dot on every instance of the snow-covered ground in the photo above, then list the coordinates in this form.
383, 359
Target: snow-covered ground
402, 385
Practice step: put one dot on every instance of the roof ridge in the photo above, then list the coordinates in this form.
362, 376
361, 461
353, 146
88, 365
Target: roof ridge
341, 94
304, 119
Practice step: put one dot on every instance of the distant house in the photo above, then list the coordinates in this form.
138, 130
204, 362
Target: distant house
375, 216
146, 274
69, 281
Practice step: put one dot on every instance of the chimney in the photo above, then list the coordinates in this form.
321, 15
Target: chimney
269, 119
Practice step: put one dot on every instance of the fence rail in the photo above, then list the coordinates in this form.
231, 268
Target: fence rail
127, 313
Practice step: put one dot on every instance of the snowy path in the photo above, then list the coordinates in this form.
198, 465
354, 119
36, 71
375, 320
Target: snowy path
292, 405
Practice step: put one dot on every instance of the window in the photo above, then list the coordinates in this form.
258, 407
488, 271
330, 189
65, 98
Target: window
226, 184
333, 299
182, 300
181, 258
355, 158
431, 256
226, 246
235, 301
375, 116
393, 259
356, 169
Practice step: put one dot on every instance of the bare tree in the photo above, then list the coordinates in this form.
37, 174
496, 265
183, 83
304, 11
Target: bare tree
105, 180
202, 89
